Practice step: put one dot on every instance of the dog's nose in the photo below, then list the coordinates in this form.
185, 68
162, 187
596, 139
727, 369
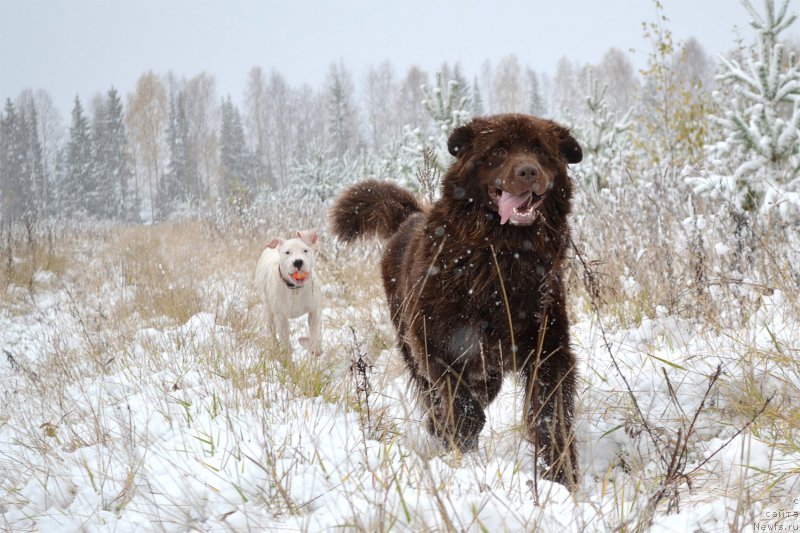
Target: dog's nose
298, 263
532, 175
527, 171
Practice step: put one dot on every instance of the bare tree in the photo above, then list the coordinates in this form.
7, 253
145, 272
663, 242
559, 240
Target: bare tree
486, 83
280, 126
695, 65
146, 120
410, 108
616, 72
566, 87
309, 118
380, 98
202, 115
256, 120
508, 87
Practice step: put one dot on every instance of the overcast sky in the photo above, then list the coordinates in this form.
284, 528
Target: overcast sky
83, 47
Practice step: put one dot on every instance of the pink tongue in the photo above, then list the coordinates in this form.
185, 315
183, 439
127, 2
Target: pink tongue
508, 202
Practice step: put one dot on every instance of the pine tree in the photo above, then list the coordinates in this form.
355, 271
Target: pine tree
37, 178
461, 87
174, 187
761, 99
319, 175
237, 164
77, 185
536, 103
419, 148
44, 125
112, 169
603, 138
15, 184
342, 111
477, 100
102, 203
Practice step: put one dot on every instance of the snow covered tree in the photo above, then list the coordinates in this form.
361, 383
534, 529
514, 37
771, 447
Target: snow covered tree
342, 111
306, 125
508, 87
173, 188
411, 96
281, 103
238, 168
77, 184
36, 163
453, 74
257, 120
536, 103
202, 110
36, 179
380, 101
46, 124
447, 111
566, 92
761, 103
112, 169
603, 137
477, 100
319, 175
145, 119
616, 72
16, 189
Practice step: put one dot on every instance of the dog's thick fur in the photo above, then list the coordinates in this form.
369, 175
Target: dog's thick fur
286, 297
473, 298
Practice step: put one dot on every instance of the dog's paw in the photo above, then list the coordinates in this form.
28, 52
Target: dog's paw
459, 426
314, 349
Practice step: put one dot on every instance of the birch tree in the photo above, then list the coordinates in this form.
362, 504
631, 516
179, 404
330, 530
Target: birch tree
146, 121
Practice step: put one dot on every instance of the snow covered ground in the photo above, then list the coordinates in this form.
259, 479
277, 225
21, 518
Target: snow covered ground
112, 420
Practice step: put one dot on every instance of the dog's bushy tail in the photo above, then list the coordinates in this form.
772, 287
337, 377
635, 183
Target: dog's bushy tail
371, 208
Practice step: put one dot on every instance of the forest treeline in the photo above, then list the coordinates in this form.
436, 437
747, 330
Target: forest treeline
724, 127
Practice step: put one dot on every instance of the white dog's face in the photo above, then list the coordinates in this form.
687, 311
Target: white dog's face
296, 256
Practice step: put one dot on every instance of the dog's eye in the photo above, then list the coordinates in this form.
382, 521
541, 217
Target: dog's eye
305, 251
287, 252
500, 152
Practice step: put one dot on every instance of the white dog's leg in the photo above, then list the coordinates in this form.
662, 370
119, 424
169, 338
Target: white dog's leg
284, 337
314, 332
269, 323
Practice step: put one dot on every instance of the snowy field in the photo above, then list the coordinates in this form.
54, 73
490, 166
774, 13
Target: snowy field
139, 394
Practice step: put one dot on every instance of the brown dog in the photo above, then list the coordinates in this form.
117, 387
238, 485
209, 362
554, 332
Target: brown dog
474, 282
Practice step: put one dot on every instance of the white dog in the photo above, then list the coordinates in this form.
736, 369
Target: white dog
289, 289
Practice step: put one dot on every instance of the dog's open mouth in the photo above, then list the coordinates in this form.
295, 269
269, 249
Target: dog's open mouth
518, 209
299, 277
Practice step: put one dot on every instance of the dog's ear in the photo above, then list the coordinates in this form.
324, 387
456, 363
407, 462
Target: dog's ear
568, 146
274, 243
308, 236
460, 140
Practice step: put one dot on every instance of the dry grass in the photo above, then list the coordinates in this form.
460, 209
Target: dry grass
131, 293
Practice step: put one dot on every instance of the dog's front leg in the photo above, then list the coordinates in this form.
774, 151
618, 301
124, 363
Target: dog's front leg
284, 336
455, 415
315, 333
550, 382
269, 323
